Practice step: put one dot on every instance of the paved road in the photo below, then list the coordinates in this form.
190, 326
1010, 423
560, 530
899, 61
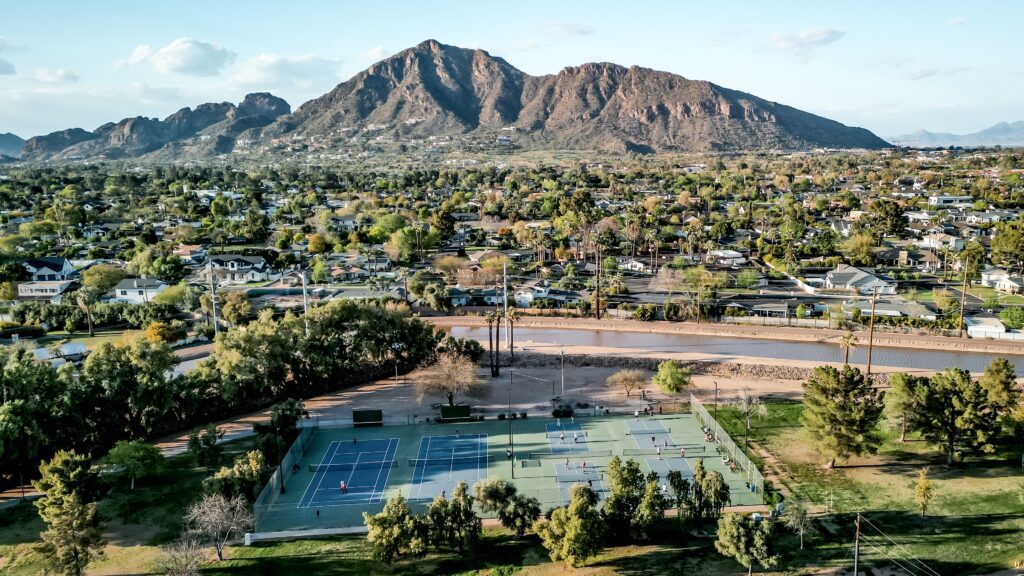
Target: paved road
190, 357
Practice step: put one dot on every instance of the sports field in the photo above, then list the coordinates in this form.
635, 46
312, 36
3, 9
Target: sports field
425, 460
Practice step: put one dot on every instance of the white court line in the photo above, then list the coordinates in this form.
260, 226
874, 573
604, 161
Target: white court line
389, 465
348, 482
321, 471
421, 467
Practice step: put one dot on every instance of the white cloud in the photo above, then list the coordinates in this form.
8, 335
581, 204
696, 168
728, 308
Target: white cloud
6, 67
148, 93
922, 73
569, 29
272, 71
183, 56
802, 43
375, 54
58, 76
956, 21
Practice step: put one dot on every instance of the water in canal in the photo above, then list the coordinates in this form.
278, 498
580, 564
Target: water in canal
726, 346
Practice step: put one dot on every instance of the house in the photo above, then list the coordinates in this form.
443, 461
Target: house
846, 277
459, 297
52, 291
1002, 281
238, 269
138, 290
348, 274
984, 327
950, 201
634, 265
190, 253
726, 258
941, 241
49, 269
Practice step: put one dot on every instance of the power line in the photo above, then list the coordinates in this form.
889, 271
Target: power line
868, 541
902, 548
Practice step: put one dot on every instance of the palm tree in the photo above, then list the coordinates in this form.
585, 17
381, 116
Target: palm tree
491, 318
512, 317
847, 342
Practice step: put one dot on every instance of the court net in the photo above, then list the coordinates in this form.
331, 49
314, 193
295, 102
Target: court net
672, 450
572, 455
452, 461
567, 433
345, 467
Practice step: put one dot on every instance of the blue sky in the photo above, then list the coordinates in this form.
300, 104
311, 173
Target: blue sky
892, 67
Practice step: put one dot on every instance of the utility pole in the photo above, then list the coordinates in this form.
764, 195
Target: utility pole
856, 547
305, 301
213, 298
716, 410
511, 438
497, 329
561, 357
871, 326
504, 273
963, 298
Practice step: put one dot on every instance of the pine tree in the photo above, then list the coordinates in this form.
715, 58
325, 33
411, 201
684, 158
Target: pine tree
740, 539
901, 401
574, 533
954, 412
68, 507
841, 412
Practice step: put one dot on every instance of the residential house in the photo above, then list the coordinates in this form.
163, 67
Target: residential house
726, 258
238, 269
138, 290
49, 269
1002, 281
941, 242
52, 291
190, 253
846, 277
950, 201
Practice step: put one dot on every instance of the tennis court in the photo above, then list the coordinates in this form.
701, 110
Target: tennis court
650, 434
567, 438
444, 461
364, 467
662, 466
573, 473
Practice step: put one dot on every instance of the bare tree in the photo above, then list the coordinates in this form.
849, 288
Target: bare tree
182, 558
216, 520
627, 379
749, 404
798, 519
453, 374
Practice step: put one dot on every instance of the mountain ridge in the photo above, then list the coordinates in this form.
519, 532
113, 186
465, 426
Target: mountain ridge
435, 90
999, 134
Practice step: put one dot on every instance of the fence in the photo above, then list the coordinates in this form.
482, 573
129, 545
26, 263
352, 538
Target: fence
754, 478
265, 501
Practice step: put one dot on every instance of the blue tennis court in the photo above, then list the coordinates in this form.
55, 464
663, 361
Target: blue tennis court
444, 461
650, 434
363, 466
662, 466
567, 476
566, 438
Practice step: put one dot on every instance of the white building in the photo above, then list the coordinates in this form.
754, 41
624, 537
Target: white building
726, 258
47, 269
51, 291
138, 290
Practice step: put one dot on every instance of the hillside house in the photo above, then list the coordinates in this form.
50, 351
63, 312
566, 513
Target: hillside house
238, 269
49, 269
138, 290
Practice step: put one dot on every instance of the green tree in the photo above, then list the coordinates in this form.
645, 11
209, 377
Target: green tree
574, 533
515, 511
841, 412
627, 380
1000, 383
391, 531
859, 249
626, 489
1008, 244
740, 539
466, 526
1013, 317
244, 478
236, 308
135, 458
709, 494
651, 509
204, 445
923, 493
672, 377
954, 412
848, 342
318, 274
68, 507
901, 400
103, 277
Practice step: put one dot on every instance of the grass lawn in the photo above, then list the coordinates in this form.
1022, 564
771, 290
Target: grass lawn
973, 524
91, 342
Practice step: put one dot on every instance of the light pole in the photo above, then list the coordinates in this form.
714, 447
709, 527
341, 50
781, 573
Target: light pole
561, 356
716, 410
511, 438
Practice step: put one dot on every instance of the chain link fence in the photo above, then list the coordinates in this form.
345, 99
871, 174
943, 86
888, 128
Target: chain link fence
728, 448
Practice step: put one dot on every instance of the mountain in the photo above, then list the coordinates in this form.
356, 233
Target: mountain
10, 145
435, 92
1001, 134
204, 130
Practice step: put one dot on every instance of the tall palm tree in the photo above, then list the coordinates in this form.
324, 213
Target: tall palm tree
847, 342
512, 316
491, 318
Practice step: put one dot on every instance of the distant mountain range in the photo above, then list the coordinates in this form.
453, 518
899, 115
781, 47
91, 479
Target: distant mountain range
10, 145
1001, 134
434, 90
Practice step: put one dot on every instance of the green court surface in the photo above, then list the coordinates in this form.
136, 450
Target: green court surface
421, 460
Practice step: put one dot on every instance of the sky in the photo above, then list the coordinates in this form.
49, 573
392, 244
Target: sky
890, 66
